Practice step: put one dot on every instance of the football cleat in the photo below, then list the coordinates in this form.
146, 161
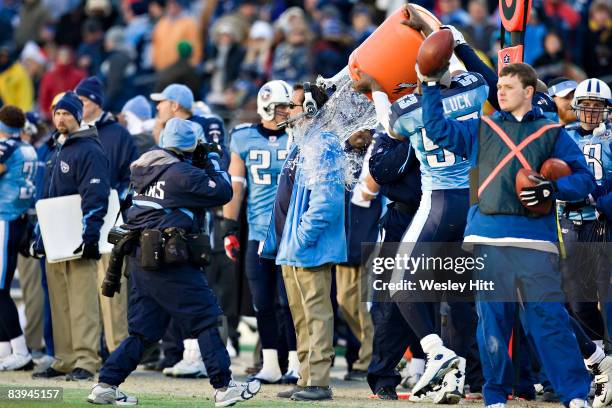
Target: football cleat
439, 362
579, 403
453, 383
17, 362
602, 382
109, 395
236, 392
187, 369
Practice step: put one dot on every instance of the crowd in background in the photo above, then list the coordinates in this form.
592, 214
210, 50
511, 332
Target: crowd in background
225, 50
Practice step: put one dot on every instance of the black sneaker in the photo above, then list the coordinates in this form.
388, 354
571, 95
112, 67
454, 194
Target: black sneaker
386, 393
50, 372
356, 375
289, 393
79, 374
313, 394
550, 396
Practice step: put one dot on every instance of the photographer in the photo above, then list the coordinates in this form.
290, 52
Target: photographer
164, 282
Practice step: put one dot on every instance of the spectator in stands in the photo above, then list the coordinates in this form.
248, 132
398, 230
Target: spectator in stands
181, 72
480, 30
289, 18
560, 16
241, 19
32, 17
291, 57
534, 36
224, 61
361, 24
103, 11
138, 31
551, 64
176, 25
15, 84
331, 51
68, 28
599, 39
452, 13
34, 61
257, 61
90, 53
62, 77
117, 70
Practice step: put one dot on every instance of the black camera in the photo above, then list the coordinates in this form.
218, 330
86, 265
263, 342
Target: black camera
116, 234
199, 157
123, 241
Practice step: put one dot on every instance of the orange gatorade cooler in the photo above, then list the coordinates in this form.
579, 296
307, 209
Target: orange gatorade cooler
389, 54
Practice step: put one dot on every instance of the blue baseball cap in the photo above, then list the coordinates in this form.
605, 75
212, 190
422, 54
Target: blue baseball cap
177, 93
561, 87
181, 134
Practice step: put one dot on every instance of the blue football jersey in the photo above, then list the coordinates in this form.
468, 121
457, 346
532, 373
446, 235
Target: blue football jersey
597, 152
17, 182
263, 155
440, 169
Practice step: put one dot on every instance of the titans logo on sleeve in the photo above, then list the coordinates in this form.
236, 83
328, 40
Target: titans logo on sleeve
263, 155
440, 169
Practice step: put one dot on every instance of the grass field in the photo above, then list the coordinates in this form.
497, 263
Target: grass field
154, 390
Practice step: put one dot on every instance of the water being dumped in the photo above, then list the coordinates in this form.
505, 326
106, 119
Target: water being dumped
322, 139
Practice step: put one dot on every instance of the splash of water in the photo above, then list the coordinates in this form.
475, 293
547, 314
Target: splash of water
345, 113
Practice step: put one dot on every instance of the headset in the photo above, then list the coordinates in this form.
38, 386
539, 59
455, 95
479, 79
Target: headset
310, 106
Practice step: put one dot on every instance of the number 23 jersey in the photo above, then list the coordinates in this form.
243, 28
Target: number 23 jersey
263, 151
440, 169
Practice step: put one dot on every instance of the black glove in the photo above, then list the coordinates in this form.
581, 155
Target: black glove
90, 251
228, 227
26, 242
539, 193
199, 157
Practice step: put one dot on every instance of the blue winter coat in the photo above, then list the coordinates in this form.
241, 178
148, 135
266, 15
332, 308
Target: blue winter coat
79, 166
171, 192
120, 150
313, 234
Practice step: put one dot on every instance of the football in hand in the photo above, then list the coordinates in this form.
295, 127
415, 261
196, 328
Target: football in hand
435, 52
552, 169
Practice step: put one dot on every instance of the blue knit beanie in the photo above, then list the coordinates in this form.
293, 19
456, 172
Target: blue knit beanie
71, 103
181, 134
91, 88
139, 106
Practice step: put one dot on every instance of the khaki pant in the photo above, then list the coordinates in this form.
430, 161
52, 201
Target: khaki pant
114, 310
355, 311
76, 314
309, 296
30, 275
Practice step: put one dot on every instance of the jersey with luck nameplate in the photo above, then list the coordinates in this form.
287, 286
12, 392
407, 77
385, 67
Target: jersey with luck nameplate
440, 168
263, 153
